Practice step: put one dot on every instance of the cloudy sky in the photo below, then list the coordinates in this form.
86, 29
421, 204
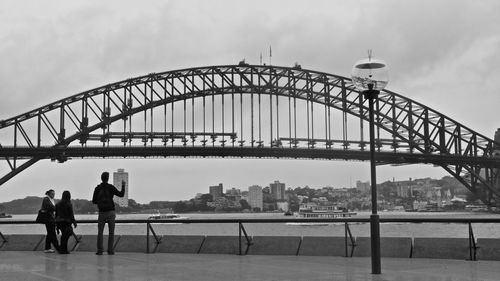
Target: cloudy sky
444, 54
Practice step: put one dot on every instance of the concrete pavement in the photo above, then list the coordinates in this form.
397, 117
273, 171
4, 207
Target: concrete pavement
30, 265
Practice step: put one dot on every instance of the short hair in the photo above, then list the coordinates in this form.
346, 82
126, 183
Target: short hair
105, 176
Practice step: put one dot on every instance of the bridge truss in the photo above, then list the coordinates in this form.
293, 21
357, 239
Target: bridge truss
247, 111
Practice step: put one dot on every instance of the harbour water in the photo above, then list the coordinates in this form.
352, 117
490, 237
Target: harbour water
481, 230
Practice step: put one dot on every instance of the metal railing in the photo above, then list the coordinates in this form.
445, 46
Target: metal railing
245, 238
242, 230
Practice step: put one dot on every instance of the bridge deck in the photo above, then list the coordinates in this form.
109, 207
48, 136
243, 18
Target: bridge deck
137, 266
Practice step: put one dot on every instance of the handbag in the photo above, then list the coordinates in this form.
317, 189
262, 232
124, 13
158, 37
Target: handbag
42, 217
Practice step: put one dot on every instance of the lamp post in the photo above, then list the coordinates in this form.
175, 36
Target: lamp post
370, 76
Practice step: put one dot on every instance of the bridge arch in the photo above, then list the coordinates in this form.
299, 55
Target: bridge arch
247, 111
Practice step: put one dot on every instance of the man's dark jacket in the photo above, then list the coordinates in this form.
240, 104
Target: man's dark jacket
103, 196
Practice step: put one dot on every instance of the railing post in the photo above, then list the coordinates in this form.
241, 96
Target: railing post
472, 244
353, 244
239, 236
77, 240
147, 237
345, 239
4, 240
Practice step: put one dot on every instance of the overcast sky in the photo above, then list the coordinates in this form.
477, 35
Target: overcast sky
444, 54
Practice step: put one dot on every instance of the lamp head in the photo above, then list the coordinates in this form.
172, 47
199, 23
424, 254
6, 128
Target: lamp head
370, 74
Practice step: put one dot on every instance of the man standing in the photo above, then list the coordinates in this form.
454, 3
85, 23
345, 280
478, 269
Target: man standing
103, 197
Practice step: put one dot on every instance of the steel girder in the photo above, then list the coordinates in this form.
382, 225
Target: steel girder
248, 106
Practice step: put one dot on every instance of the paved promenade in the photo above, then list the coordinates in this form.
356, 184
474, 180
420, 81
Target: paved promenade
137, 266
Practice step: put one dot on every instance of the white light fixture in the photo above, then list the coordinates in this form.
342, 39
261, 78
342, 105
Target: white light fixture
370, 74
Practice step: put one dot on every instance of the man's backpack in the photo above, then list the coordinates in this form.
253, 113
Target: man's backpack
105, 199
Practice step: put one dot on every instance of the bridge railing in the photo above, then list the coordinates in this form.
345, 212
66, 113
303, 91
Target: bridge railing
245, 238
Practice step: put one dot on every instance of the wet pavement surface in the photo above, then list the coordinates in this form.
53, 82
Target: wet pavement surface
138, 266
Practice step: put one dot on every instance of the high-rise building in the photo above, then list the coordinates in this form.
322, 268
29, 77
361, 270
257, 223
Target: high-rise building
402, 189
216, 191
255, 197
277, 190
497, 139
363, 186
118, 177
233, 194
233, 191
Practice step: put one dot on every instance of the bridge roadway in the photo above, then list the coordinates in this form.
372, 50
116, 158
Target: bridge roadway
62, 153
30, 265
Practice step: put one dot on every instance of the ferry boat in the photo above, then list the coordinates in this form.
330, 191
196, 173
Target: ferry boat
326, 212
312, 211
166, 217
5, 216
476, 208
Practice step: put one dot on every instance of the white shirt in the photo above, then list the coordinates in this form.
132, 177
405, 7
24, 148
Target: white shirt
51, 200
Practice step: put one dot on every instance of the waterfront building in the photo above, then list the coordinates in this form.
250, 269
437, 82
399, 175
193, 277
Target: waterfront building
496, 153
277, 190
419, 205
434, 195
283, 206
233, 192
497, 139
403, 189
216, 191
255, 197
309, 205
339, 192
302, 198
118, 177
244, 195
447, 197
322, 199
363, 186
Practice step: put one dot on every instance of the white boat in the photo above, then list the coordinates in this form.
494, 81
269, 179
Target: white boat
323, 212
477, 208
166, 217
313, 211
5, 216
308, 223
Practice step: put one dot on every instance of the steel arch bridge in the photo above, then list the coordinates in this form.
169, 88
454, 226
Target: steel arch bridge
247, 111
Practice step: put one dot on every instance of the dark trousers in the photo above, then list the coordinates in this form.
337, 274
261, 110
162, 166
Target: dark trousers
106, 217
51, 236
66, 232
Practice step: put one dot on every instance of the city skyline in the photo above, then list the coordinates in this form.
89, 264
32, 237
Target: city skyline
52, 50
222, 188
